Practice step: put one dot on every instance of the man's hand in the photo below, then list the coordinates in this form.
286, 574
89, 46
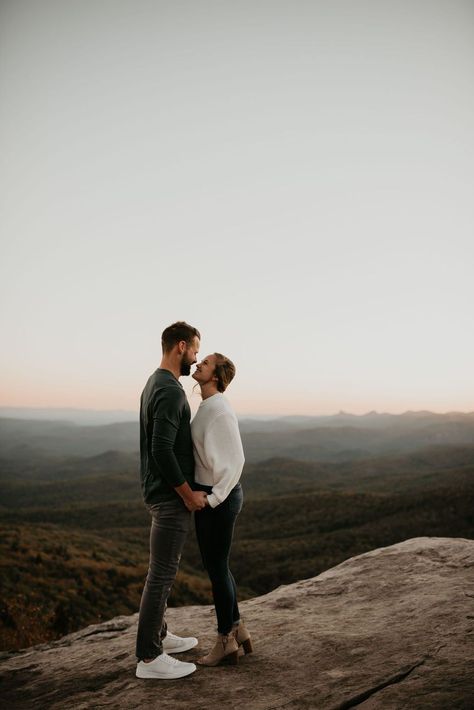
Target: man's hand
198, 502
193, 500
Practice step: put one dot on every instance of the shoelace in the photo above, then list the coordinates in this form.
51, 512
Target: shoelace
169, 659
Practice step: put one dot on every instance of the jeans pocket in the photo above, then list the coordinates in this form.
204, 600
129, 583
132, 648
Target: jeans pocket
235, 501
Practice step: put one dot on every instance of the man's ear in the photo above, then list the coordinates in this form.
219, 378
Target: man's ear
182, 345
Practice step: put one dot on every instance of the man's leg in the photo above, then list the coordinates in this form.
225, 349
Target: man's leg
169, 527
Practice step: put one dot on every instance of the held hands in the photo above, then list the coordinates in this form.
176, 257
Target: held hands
198, 501
193, 500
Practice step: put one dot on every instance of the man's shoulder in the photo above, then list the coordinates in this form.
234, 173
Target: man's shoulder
168, 389
162, 385
163, 379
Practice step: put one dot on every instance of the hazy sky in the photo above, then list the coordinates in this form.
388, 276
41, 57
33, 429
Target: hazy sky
294, 178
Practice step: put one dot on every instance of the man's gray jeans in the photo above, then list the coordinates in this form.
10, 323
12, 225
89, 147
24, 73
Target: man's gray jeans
169, 527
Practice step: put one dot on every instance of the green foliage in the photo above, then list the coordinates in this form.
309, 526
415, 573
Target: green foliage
74, 551
54, 580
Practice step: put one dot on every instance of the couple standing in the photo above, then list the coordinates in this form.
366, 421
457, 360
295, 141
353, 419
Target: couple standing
188, 466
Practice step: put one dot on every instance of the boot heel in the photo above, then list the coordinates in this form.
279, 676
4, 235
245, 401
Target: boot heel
233, 658
247, 646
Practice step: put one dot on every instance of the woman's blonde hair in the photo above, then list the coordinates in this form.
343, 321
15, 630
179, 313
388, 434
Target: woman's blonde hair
224, 371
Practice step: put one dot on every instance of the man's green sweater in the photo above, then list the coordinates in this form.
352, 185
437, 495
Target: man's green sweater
166, 447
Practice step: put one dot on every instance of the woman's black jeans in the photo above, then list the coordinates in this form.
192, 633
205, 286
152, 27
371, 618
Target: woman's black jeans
214, 530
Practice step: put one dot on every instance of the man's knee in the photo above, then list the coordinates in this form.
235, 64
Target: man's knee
162, 573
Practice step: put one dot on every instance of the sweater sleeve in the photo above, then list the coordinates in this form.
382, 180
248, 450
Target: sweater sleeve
167, 413
224, 451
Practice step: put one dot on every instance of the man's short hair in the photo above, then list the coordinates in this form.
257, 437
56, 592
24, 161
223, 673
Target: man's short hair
176, 332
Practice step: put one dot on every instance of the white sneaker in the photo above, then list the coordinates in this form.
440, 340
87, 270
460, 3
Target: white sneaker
164, 667
176, 644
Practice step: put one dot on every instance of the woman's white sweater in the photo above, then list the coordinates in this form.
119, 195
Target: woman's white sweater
218, 451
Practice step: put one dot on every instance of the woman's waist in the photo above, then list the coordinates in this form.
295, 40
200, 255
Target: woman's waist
202, 487
204, 475
197, 486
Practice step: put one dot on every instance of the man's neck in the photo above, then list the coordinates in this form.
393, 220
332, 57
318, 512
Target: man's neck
168, 363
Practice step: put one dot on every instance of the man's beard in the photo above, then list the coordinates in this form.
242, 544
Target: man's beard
185, 367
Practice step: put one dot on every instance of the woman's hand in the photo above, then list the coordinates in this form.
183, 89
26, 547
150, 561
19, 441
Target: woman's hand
193, 500
206, 502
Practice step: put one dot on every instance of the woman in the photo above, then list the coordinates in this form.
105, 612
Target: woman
219, 461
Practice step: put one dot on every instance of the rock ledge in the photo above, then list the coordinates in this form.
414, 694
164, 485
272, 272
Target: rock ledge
393, 628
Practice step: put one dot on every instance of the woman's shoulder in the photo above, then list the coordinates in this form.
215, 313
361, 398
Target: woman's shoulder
221, 404
215, 407
224, 414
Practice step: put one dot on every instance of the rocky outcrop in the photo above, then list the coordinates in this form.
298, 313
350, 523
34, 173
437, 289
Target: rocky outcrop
393, 628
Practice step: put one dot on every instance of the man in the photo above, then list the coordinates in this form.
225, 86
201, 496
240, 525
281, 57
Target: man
167, 473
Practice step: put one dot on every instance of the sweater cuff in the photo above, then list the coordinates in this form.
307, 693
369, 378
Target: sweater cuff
212, 500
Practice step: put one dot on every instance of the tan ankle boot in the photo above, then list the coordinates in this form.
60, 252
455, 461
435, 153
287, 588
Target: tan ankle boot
226, 648
242, 636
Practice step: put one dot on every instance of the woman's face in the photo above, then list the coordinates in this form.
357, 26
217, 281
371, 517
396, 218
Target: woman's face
204, 371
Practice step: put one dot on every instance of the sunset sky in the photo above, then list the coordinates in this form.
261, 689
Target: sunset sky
294, 178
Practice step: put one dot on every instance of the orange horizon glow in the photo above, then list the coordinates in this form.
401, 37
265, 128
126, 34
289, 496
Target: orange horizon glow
114, 395
242, 405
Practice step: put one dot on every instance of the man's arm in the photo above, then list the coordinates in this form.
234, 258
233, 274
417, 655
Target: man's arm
167, 409
166, 421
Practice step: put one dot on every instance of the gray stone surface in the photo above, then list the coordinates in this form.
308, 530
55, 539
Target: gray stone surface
393, 628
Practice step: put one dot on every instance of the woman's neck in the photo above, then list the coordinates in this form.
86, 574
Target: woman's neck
208, 390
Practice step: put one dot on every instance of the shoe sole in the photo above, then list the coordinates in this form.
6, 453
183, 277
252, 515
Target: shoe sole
247, 645
181, 648
159, 676
230, 659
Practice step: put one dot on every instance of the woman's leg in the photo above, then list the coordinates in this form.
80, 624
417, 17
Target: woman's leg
235, 610
214, 529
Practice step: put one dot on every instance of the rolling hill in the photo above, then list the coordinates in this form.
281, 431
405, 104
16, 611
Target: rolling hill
338, 438
74, 531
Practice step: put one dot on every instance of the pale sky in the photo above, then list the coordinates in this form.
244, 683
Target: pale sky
294, 178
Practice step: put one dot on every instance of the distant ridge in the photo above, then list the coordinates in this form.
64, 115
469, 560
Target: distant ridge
341, 437
70, 415
84, 417
371, 420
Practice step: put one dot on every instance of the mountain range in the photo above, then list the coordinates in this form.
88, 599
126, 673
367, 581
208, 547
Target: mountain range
73, 528
342, 437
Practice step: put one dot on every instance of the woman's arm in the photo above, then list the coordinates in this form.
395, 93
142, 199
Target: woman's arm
224, 451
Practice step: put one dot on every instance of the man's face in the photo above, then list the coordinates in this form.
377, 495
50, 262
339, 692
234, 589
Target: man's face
189, 357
